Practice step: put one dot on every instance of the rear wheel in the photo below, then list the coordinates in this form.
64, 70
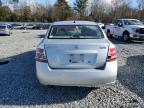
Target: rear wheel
109, 34
126, 37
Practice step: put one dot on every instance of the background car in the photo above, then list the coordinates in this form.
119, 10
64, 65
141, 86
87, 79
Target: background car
126, 29
18, 26
46, 26
30, 26
4, 30
41, 26
101, 25
38, 26
9, 26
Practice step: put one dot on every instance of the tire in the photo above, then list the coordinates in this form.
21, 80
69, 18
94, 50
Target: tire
126, 37
109, 34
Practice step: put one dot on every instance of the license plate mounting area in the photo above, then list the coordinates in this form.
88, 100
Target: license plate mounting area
76, 58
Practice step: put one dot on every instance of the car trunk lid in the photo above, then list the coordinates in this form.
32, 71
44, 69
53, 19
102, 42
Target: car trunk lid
74, 54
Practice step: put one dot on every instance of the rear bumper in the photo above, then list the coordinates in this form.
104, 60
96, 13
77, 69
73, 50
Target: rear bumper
77, 77
5, 32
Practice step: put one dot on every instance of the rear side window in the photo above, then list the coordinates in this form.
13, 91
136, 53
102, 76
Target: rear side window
75, 32
2, 27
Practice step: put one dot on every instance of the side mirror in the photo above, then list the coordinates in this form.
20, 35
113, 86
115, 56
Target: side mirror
103, 27
120, 25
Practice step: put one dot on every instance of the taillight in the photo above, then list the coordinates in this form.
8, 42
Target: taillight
112, 55
40, 55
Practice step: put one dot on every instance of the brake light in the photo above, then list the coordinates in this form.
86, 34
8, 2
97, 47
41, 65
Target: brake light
40, 55
112, 55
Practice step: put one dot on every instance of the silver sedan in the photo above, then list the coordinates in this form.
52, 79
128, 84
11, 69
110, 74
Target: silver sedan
76, 53
4, 30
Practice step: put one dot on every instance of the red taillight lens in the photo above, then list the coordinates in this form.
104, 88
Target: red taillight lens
112, 55
40, 55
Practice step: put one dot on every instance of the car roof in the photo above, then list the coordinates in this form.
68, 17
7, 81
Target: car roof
73, 22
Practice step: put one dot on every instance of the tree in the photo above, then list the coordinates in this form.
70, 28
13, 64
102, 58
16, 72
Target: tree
5, 14
14, 17
141, 9
0, 3
25, 13
80, 7
99, 11
62, 10
141, 4
40, 9
120, 9
48, 13
9, 1
103, 12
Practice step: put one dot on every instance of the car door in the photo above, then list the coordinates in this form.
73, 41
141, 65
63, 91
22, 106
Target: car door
118, 28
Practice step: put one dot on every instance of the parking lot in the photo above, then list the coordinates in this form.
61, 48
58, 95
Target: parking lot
19, 86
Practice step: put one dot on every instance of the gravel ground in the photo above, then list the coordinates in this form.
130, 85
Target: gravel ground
19, 86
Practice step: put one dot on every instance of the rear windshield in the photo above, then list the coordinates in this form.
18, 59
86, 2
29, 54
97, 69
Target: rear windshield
75, 32
2, 27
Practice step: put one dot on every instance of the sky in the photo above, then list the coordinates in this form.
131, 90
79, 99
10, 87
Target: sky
52, 1
134, 4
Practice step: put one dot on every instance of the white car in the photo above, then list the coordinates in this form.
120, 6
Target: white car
30, 26
4, 30
18, 26
127, 29
101, 25
76, 53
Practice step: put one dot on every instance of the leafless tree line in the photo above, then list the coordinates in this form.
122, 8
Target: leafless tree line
104, 12
97, 10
